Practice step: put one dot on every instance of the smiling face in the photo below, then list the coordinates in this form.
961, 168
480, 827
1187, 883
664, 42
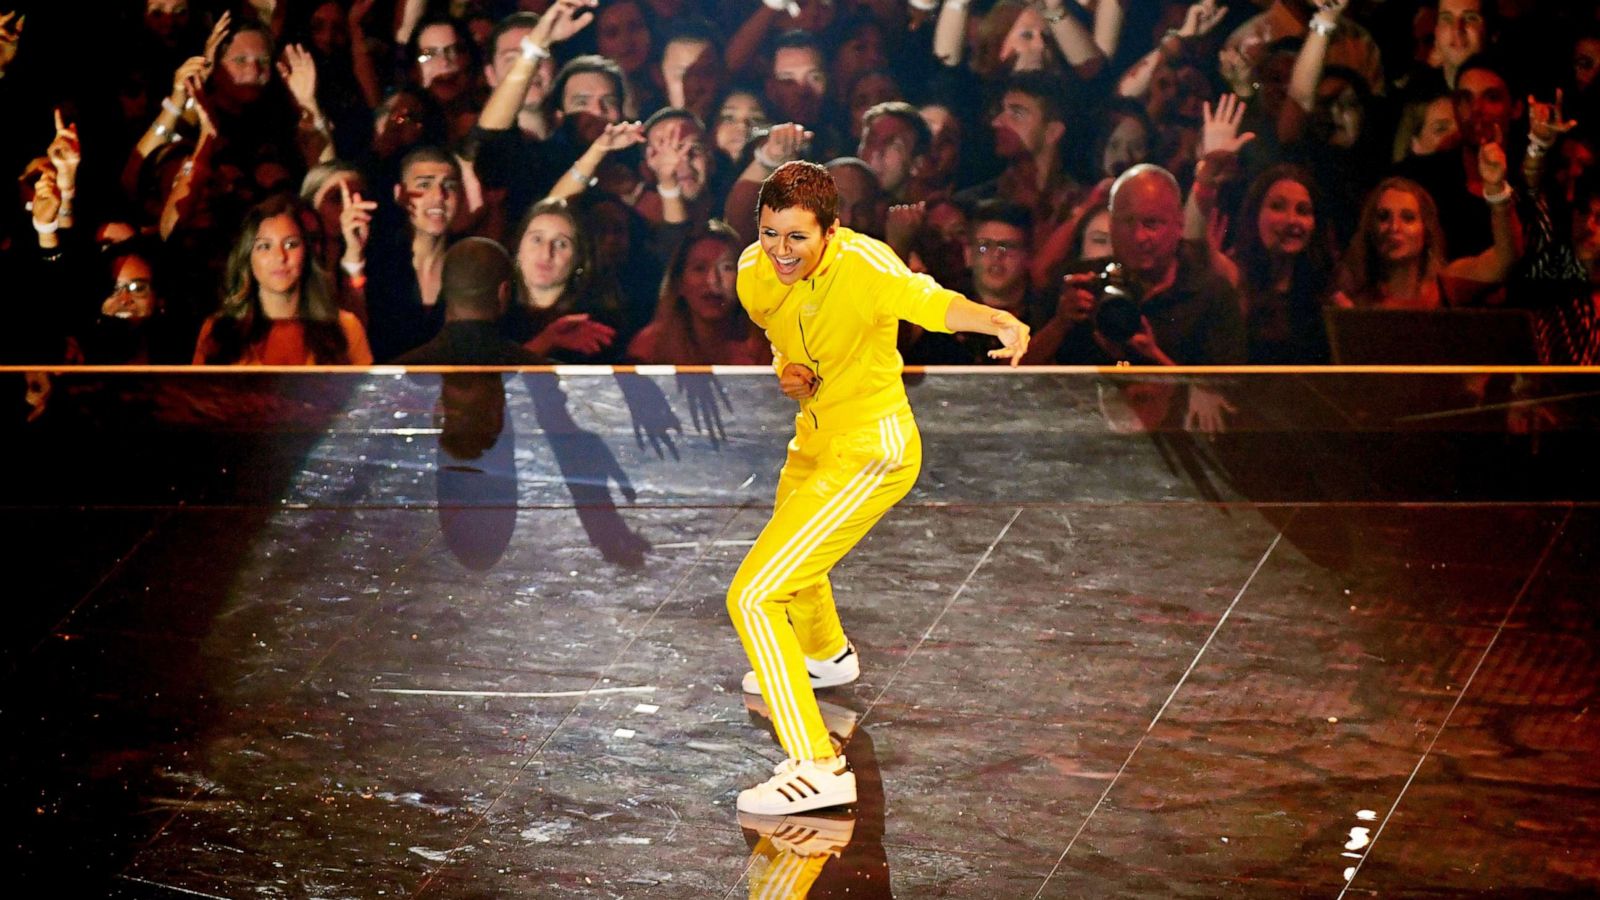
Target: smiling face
710, 272
278, 255
1286, 219
793, 240
431, 194
1401, 234
1458, 30
132, 295
547, 253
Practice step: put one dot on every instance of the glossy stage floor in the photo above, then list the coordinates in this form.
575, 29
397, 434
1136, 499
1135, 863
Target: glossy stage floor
384, 635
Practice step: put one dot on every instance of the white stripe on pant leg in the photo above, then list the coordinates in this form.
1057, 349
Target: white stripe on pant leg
762, 638
800, 544
780, 566
783, 873
808, 536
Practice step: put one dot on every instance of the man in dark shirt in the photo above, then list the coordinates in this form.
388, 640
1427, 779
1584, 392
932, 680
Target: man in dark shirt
1190, 316
475, 288
1486, 105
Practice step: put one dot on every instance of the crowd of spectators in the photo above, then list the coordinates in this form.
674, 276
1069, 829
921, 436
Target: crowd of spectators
282, 181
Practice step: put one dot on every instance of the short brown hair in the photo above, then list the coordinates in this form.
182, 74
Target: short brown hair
803, 184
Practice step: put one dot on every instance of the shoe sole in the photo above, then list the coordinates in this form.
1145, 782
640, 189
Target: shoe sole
817, 684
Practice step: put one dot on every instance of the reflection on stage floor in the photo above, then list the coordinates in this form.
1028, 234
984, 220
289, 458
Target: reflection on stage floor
464, 637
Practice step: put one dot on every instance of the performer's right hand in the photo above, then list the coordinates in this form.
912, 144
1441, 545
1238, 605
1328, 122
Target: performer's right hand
797, 382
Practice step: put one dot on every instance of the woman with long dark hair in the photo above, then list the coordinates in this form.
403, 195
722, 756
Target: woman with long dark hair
1282, 263
277, 307
564, 309
698, 319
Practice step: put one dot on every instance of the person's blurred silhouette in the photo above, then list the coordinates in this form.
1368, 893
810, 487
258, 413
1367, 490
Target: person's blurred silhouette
476, 288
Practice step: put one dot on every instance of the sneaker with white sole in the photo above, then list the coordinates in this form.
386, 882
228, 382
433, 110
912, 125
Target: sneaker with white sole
799, 785
842, 669
803, 835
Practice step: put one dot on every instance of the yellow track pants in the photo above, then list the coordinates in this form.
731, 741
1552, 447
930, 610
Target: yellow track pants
835, 485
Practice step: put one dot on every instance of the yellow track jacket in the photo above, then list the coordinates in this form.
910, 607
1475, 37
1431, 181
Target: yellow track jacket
842, 323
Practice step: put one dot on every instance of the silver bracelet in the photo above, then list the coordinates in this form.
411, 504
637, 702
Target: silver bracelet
1323, 26
162, 130
1497, 199
669, 193
579, 177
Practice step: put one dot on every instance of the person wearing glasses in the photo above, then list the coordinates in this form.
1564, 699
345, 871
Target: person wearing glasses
442, 54
999, 256
136, 325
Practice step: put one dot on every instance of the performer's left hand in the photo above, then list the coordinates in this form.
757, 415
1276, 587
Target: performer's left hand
1013, 335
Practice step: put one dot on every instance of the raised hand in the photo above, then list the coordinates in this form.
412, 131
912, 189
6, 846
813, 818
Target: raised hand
1219, 131
355, 223
665, 161
1013, 337
785, 142
788, 6
1329, 11
188, 80
1492, 166
1201, 18
1236, 70
46, 204
1545, 123
219, 34
901, 224
64, 154
619, 136
299, 72
561, 21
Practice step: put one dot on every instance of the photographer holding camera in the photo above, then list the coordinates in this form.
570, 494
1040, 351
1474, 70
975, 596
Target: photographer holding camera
1157, 303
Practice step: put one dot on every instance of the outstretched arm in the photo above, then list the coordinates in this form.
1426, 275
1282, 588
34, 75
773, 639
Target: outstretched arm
964, 315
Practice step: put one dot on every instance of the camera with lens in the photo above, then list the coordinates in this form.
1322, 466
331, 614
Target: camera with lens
1116, 303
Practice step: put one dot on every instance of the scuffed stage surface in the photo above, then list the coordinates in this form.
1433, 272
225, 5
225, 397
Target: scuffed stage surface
393, 636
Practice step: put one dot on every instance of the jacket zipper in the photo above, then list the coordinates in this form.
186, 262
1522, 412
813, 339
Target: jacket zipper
816, 366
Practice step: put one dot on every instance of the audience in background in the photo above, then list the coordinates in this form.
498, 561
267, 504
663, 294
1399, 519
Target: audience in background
1272, 160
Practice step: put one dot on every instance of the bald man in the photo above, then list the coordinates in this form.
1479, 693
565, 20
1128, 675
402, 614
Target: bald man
1190, 314
475, 288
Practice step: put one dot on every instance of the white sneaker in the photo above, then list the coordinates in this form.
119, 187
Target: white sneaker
842, 669
803, 835
798, 785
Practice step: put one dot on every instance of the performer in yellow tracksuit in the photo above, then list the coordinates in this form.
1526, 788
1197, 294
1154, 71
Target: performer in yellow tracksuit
830, 301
